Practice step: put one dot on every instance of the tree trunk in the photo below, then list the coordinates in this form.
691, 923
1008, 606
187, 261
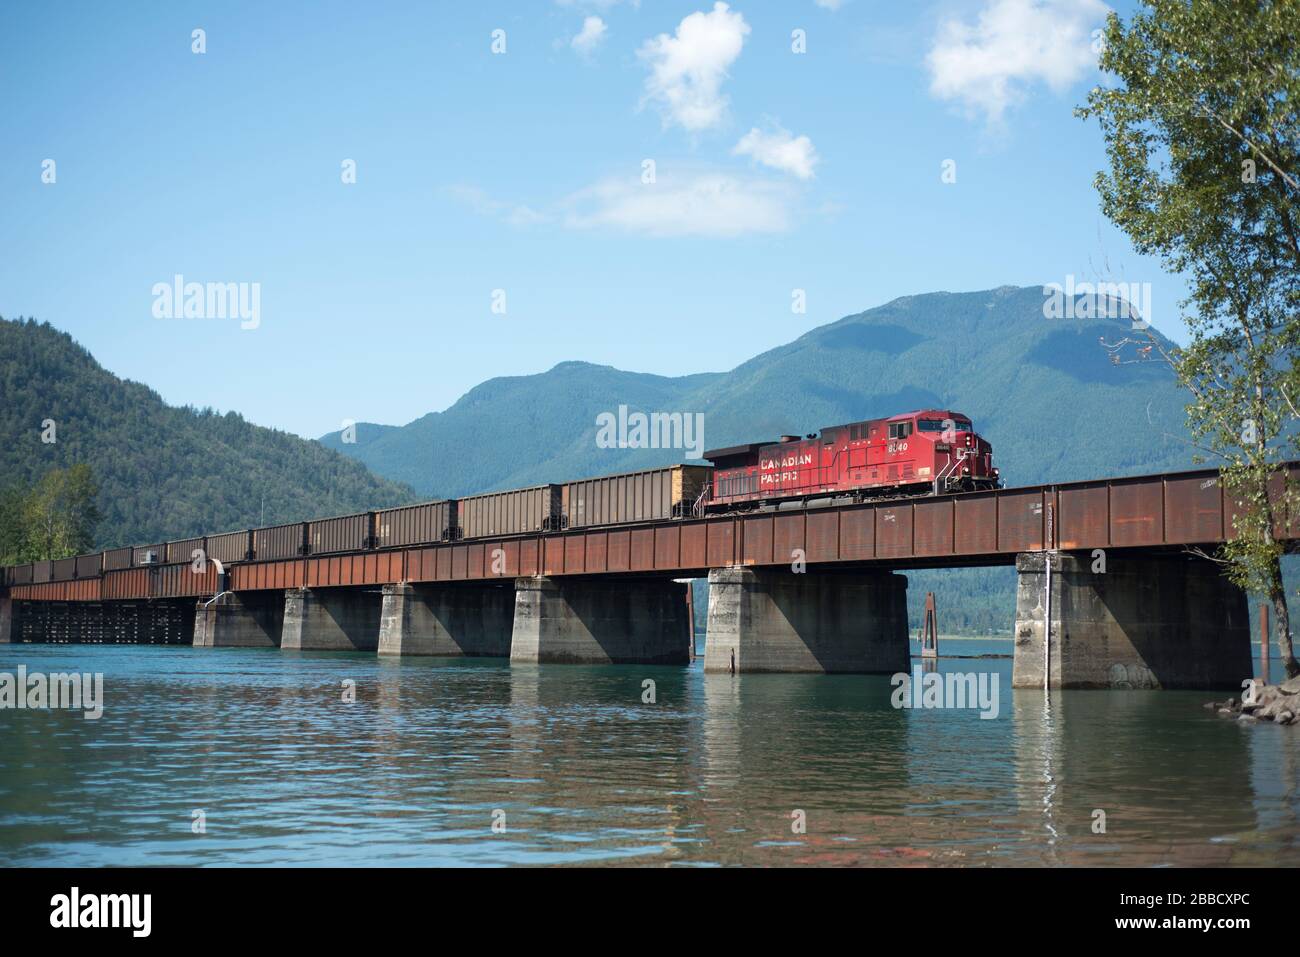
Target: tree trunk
1277, 595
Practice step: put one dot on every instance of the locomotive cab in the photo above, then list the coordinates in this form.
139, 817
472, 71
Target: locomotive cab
961, 459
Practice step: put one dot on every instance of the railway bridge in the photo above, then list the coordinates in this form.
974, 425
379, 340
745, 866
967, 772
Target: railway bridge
1110, 590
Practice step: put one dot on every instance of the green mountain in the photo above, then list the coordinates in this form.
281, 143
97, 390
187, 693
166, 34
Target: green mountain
1043, 391
519, 430
163, 472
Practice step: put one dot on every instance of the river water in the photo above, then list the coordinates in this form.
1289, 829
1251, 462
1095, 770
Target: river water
475, 762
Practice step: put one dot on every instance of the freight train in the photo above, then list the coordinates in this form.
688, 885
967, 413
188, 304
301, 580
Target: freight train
927, 452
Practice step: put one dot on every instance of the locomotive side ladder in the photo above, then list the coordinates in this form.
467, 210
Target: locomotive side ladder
943, 481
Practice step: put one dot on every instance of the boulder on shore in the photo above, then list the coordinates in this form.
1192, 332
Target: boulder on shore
1260, 702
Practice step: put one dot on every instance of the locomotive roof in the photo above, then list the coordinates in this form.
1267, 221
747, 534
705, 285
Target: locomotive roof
752, 448
900, 415
749, 449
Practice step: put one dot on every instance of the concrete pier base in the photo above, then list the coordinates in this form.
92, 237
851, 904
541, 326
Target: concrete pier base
600, 621
331, 619
447, 620
6, 619
246, 620
822, 622
1145, 622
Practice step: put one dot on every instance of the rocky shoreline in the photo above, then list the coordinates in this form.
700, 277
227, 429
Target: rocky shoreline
1277, 703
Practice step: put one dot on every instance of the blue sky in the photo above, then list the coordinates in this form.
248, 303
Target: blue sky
523, 171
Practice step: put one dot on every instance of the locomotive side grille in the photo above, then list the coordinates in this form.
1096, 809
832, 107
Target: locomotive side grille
738, 485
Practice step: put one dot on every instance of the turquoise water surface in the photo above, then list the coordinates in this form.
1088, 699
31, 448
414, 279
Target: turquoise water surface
573, 767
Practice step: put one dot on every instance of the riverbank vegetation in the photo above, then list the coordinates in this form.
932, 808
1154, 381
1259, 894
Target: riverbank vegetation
54, 518
1201, 117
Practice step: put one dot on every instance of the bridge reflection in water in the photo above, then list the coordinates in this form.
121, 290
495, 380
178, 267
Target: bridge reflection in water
583, 769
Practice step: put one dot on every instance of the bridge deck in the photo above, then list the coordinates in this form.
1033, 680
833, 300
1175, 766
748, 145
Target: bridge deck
1149, 512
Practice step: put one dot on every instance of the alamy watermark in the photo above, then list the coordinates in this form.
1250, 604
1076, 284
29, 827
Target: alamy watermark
208, 300
1102, 300
926, 690
129, 911
37, 691
655, 430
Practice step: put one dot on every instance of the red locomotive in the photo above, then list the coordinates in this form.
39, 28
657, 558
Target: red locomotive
925, 452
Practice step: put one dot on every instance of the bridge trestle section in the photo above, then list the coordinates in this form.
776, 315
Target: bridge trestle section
447, 620
600, 621
1129, 622
824, 622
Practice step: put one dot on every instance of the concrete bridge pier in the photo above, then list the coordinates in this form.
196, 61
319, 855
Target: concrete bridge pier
764, 620
245, 620
600, 621
451, 620
1149, 621
331, 619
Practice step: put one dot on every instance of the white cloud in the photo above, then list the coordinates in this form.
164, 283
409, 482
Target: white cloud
779, 150
703, 203
987, 66
687, 69
829, 4
692, 201
478, 200
592, 33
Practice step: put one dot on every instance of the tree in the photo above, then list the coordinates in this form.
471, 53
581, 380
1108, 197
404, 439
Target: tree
12, 533
1202, 132
60, 515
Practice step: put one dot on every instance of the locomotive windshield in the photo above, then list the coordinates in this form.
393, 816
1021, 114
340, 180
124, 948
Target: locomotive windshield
936, 425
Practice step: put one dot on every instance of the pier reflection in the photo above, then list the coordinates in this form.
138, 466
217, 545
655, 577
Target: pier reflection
1135, 763
584, 769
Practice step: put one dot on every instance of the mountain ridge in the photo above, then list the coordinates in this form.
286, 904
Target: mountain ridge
990, 354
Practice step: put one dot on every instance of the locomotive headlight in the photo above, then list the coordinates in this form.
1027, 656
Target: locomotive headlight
970, 440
